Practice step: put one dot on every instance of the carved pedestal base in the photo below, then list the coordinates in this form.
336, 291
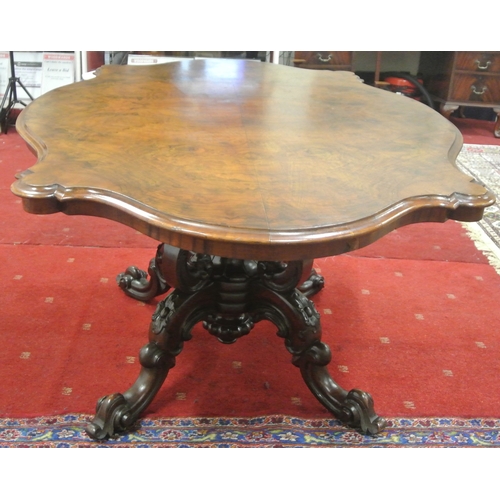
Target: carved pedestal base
229, 296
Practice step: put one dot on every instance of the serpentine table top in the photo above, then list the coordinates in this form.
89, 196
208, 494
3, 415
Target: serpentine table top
244, 159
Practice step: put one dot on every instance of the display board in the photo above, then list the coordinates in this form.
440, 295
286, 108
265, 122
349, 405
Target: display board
39, 72
57, 70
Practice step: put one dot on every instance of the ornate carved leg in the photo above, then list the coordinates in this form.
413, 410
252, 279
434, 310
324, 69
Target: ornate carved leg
298, 323
171, 325
191, 302
354, 408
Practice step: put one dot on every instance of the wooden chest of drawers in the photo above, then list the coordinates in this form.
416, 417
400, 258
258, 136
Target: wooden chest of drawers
324, 59
457, 79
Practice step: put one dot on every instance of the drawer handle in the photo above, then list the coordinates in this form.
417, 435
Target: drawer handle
478, 92
485, 66
323, 60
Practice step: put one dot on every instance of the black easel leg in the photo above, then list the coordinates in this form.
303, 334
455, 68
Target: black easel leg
11, 95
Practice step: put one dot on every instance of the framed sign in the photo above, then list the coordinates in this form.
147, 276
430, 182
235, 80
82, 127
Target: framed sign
58, 69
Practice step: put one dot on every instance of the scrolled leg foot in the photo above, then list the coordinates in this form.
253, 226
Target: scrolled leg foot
312, 285
132, 274
134, 282
355, 408
118, 412
107, 421
358, 411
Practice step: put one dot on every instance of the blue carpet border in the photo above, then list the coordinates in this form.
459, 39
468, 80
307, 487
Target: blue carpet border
274, 431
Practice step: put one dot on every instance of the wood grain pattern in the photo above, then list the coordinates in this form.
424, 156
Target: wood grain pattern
475, 89
488, 62
244, 159
320, 59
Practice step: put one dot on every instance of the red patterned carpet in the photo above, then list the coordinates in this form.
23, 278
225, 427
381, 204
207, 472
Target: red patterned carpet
476, 131
412, 319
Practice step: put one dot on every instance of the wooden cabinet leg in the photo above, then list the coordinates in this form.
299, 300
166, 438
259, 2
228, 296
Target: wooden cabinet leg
447, 109
496, 131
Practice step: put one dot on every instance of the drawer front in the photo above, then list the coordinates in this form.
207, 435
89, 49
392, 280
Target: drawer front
476, 88
323, 58
478, 61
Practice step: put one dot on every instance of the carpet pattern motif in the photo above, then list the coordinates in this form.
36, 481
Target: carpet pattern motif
483, 163
275, 431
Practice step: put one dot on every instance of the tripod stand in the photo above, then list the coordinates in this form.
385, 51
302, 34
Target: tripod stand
11, 95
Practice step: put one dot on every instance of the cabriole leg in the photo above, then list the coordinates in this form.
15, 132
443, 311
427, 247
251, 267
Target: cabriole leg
171, 325
298, 323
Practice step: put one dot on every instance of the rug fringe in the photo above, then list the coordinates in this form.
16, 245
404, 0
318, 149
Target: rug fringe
483, 243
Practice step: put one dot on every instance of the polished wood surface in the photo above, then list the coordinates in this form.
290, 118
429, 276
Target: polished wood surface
244, 159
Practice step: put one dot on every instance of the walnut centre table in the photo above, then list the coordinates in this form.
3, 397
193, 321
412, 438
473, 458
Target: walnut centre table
244, 172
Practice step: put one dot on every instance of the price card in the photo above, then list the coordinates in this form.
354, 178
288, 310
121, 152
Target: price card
57, 70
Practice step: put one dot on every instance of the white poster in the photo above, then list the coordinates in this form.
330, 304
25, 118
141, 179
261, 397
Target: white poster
28, 68
58, 69
4, 72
